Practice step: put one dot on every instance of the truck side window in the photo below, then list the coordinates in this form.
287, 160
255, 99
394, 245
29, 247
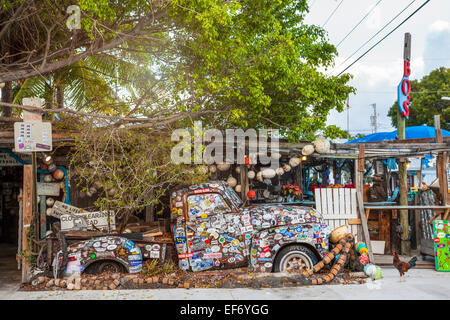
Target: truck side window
207, 203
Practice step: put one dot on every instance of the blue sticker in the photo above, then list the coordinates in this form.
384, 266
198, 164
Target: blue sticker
180, 240
135, 263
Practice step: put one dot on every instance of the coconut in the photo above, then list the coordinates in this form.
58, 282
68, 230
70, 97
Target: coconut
50, 202
293, 162
238, 188
49, 211
212, 168
92, 190
231, 181
321, 145
223, 166
62, 185
259, 176
251, 174
58, 174
280, 171
238, 169
308, 150
48, 178
286, 168
268, 173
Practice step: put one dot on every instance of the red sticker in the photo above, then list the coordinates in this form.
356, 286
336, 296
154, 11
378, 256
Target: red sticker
437, 240
202, 190
185, 255
266, 249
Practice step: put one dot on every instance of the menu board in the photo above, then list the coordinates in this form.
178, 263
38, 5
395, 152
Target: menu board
441, 234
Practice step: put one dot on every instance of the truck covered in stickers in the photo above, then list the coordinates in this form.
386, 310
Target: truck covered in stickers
213, 229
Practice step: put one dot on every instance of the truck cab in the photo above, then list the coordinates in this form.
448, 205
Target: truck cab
213, 229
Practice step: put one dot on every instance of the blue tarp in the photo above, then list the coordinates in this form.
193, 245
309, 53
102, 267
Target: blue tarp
416, 132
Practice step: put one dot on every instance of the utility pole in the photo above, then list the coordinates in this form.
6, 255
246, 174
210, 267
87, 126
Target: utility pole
348, 116
403, 192
373, 119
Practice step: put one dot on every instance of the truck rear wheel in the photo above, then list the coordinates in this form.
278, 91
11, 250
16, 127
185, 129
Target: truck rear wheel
294, 258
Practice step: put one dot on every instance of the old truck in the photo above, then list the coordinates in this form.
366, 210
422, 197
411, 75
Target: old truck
213, 229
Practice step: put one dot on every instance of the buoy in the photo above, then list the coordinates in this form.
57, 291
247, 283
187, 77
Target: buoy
268, 173
308, 150
50, 202
293, 162
231, 181
223, 166
58, 174
321, 145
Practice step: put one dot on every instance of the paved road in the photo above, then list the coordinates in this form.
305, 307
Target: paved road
422, 284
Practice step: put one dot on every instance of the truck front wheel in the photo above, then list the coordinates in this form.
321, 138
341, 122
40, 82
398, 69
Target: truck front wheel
294, 258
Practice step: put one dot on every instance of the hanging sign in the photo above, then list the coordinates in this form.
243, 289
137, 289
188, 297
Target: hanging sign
30, 116
404, 90
48, 189
32, 136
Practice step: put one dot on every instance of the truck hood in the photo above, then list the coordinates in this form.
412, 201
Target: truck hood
278, 215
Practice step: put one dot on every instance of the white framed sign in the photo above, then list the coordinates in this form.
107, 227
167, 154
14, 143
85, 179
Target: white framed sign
88, 220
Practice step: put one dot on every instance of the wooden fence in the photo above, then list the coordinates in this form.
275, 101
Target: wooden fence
337, 206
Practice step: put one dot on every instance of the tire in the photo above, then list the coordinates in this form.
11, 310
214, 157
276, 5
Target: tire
294, 258
108, 266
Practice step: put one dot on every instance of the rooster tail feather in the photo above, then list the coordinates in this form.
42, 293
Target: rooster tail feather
412, 262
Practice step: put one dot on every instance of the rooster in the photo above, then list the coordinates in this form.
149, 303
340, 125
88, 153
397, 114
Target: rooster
403, 267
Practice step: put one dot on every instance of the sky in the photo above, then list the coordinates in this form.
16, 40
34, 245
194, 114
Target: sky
377, 75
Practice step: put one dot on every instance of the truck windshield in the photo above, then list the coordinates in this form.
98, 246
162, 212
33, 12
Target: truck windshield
233, 196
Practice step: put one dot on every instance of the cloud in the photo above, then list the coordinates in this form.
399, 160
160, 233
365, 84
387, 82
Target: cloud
437, 46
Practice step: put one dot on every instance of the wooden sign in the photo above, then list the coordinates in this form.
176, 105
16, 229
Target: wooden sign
88, 220
60, 208
7, 161
48, 189
29, 116
32, 137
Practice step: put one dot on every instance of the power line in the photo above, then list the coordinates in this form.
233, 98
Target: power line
412, 14
312, 5
379, 31
332, 14
356, 26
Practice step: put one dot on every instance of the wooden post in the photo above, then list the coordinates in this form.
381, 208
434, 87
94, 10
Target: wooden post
27, 218
149, 211
441, 162
244, 182
403, 191
359, 172
43, 213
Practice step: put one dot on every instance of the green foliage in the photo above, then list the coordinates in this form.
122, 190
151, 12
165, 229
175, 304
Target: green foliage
426, 100
259, 62
152, 268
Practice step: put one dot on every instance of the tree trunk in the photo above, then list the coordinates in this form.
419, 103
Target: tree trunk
60, 96
7, 97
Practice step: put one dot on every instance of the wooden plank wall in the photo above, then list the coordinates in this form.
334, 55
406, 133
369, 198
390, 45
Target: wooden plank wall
337, 205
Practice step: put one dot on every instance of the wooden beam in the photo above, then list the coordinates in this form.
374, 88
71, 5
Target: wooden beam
27, 218
365, 228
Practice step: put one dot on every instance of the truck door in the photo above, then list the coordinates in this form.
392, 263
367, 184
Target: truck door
210, 239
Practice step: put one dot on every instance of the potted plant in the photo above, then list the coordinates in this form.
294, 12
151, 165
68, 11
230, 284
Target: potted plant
291, 192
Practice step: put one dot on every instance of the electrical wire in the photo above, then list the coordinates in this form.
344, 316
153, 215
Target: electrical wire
412, 14
360, 21
379, 31
332, 14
